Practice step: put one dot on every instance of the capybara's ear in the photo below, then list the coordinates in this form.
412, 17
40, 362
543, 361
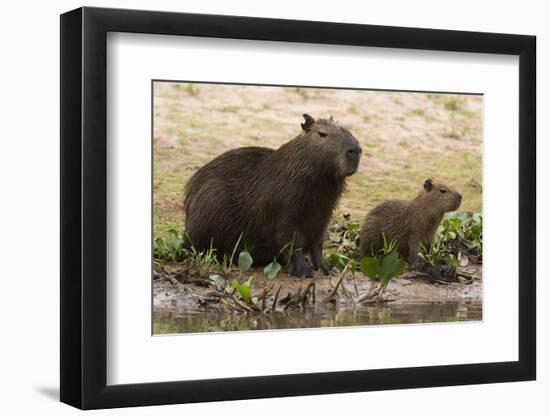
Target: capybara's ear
331, 118
310, 121
428, 185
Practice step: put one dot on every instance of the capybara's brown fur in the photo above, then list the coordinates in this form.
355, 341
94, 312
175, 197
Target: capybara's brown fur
277, 199
408, 223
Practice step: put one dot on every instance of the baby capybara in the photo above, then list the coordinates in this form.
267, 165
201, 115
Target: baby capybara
409, 223
277, 199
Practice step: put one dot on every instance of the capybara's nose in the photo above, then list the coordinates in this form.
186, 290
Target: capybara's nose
354, 150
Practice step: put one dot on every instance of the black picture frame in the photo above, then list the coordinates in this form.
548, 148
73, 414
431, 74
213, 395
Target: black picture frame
84, 207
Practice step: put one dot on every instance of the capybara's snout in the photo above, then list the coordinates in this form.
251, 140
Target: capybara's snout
353, 156
354, 150
458, 200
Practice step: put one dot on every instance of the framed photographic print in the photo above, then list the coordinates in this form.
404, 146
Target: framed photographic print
256, 207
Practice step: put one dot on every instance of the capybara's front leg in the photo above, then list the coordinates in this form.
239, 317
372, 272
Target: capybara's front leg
317, 259
414, 248
298, 266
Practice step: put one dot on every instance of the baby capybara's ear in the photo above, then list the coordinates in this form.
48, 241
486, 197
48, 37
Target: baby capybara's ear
428, 185
309, 121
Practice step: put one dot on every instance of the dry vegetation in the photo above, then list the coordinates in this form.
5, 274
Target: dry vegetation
406, 138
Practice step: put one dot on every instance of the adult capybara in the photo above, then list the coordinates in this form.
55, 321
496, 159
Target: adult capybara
277, 199
409, 223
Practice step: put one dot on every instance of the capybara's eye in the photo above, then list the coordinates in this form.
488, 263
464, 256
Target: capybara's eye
322, 134
443, 190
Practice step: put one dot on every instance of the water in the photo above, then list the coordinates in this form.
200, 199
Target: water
392, 313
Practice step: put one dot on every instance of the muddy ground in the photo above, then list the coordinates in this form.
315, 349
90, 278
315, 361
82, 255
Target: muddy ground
174, 291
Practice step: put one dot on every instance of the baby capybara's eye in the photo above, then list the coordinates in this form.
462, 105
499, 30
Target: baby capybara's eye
443, 191
322, 134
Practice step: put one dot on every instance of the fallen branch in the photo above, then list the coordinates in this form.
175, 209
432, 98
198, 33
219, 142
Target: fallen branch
333, 292
375, 292
355, 285
264, 294
275, 299
345, 291
364, 297
306, 294
294, 300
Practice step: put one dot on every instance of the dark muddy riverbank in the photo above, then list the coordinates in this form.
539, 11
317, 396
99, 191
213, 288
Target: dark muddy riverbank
189, 307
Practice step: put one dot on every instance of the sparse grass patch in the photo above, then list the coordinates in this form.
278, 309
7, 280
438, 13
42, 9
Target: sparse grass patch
302, 92
397, 100
465, 112
229, 109
265, 106
192, 90
353, 109
453, 103
430, 119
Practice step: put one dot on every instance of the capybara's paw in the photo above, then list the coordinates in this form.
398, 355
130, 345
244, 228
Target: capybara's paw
300, 269
315, 263
414, 266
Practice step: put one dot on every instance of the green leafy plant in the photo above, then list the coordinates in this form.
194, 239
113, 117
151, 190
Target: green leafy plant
473, 234
244, 289
382, 268
340, 262
245, 262
459, 236
289, 250
344, 239
205, 261
219, 282
272, 269
435, 254
227, 263
170, 248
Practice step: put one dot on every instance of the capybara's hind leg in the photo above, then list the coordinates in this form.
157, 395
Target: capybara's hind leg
298, 266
